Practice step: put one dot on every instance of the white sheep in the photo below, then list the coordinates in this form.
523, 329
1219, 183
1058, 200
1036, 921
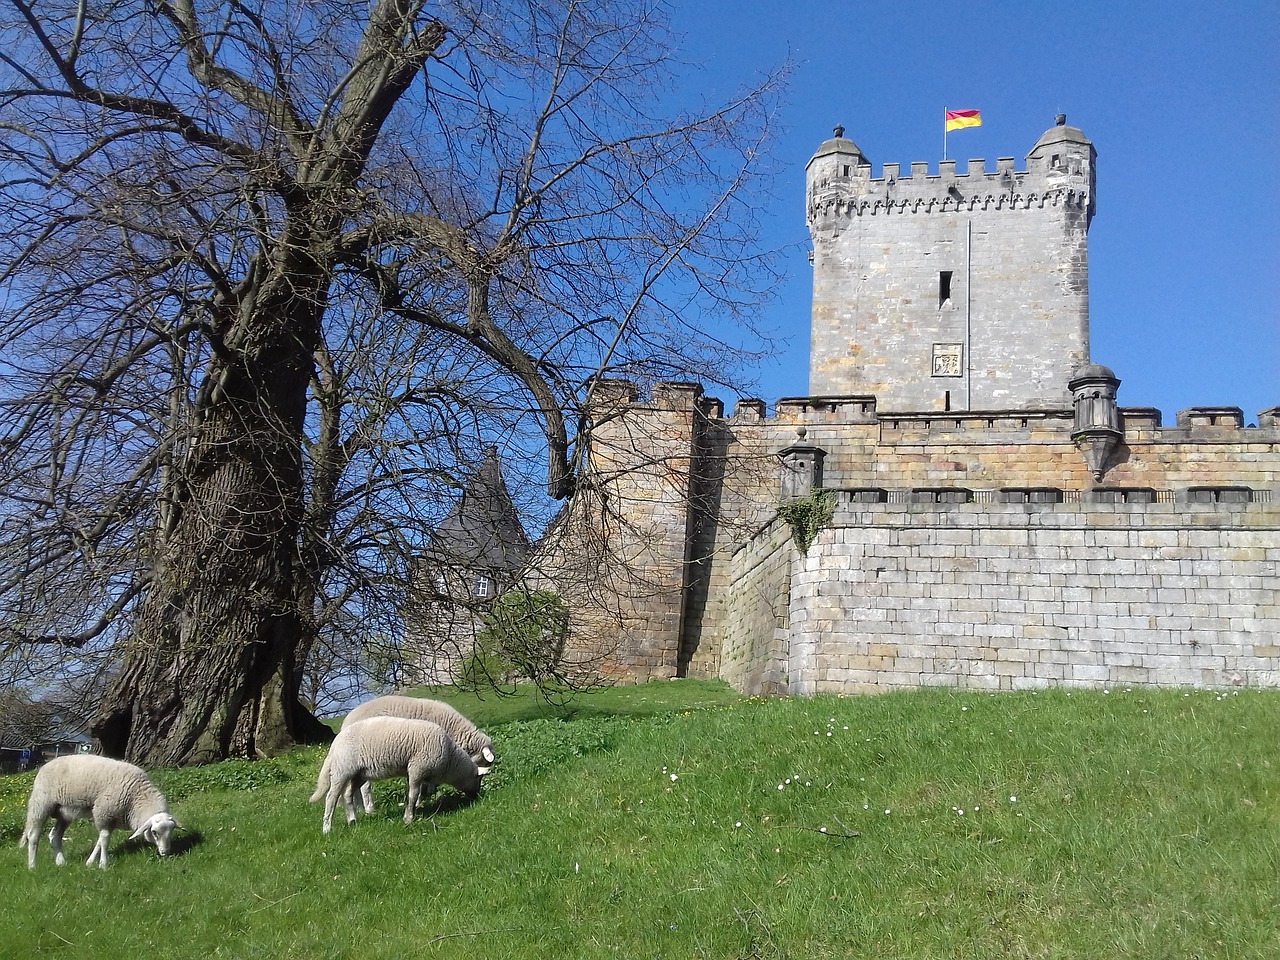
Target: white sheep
461, 730
382, 747
114, 793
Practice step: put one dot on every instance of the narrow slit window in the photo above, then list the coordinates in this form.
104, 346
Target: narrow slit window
944, 287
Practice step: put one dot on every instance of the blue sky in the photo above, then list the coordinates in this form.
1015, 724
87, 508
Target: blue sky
1181, 100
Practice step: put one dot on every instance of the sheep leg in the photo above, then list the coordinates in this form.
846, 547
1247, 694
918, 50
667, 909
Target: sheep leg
99, 851
348, 797
31, 837
418, 787
331, 801
55, 839
366, 795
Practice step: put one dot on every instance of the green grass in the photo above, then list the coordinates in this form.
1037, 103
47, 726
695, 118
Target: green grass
676, 820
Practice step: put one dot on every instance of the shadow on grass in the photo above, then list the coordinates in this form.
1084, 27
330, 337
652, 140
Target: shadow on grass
183, 841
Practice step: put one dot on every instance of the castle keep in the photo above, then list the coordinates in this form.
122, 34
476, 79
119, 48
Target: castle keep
988, 515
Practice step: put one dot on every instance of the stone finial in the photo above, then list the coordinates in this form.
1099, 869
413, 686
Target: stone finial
839, 130
1060, 120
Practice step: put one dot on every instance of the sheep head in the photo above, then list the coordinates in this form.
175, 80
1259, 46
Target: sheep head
158, 830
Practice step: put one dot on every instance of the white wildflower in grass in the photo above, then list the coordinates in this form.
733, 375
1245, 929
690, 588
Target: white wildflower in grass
674, 778
738, 824
822, 829
1013, 799
887, 812
779, 786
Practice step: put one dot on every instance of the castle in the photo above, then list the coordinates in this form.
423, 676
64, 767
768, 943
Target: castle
982, 512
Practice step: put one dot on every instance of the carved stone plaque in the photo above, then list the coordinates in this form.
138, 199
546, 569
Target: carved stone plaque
946, 359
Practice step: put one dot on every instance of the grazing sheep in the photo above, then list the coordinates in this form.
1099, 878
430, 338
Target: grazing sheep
114, 793
382, 747
461, 730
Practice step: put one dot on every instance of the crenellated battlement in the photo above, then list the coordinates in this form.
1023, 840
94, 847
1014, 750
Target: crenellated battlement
832, 193
612, 397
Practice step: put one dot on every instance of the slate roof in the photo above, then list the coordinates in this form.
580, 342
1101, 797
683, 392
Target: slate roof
483, 530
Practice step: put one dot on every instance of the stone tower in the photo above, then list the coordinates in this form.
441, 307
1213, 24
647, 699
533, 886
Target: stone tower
951, 291
474, 554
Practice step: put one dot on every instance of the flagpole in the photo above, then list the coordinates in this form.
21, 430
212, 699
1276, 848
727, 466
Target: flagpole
944, 133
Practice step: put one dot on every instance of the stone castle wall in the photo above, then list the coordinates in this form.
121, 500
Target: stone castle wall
994, 595
986, 493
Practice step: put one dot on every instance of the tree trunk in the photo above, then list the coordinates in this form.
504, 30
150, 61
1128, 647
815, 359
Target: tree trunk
209, 671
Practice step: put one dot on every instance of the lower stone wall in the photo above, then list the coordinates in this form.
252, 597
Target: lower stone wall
992, 595
755, 656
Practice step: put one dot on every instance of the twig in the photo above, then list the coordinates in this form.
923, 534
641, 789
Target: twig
273, 902
475, 933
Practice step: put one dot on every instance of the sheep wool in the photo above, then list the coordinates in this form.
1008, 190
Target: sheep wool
382, 747
461, 730
112, 793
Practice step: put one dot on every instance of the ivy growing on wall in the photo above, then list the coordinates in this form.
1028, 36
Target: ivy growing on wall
807, 516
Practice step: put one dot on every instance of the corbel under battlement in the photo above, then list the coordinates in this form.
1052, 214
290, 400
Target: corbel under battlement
852, 190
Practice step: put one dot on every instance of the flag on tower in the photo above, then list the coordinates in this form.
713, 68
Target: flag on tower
963, 118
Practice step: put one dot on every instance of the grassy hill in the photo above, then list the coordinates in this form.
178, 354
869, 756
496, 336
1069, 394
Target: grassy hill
676, 819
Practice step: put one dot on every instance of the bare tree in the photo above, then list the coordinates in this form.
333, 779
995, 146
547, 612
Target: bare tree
261, 255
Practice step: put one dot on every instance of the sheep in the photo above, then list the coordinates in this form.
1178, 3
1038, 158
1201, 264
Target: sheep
381, 747
114, 793
461, 730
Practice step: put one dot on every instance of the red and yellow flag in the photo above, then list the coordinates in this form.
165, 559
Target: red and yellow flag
963, 118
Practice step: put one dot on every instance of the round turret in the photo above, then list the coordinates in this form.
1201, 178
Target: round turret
1066, 158
837, 171
841, 149
1059, 133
